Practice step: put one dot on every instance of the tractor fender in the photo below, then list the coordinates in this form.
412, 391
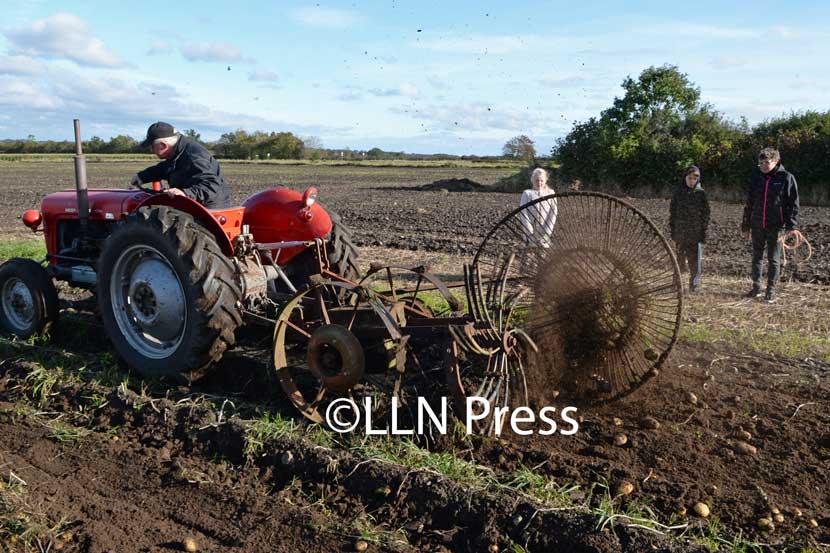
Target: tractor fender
199, 213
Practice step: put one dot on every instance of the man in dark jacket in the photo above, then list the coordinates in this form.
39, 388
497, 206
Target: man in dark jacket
188, 168
771, 206
689, 221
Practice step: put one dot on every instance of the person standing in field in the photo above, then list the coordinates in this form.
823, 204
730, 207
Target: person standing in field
771, 206
689, 222
539, 219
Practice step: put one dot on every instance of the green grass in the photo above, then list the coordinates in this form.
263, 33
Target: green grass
408, 454
29, 248
273, 426
41, 381
541, 488
784, 342
66, 434
715, 540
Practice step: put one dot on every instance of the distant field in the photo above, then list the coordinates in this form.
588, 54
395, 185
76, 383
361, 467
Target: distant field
107, 158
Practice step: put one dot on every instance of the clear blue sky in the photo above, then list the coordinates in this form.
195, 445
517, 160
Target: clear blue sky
425, 76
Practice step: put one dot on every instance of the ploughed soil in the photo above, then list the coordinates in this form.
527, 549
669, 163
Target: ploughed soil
91, 465
392, 199
150, 466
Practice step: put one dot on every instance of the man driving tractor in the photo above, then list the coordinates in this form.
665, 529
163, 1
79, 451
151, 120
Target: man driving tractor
188, 168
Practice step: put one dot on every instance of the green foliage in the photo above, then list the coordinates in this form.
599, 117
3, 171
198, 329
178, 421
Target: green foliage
259, 145
659, 126
647, 136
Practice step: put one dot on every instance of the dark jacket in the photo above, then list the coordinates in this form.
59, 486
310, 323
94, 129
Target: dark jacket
689, 214
195, 172
772, 201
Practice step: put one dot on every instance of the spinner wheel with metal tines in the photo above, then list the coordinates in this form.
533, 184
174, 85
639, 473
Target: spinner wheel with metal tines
577, 293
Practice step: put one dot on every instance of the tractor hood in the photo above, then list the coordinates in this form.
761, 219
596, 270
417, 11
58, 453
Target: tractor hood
104, 204
281, 214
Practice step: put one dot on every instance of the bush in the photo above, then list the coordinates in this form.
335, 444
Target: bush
659, 126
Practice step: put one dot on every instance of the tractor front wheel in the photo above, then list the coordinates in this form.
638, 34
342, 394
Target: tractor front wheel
167, 295
28, 300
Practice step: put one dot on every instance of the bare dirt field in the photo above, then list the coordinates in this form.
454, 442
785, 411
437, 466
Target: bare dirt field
381, 198
94, 460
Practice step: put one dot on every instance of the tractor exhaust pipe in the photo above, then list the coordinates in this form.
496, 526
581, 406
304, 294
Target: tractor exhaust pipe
80, 178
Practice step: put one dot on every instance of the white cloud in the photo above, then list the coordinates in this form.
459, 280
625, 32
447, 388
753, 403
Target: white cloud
437, 82
17, 93
62, 35
480, 117
408, 89
211, 51
324, 17
45, 104
20, 65
158, 47
404, 89
263, 75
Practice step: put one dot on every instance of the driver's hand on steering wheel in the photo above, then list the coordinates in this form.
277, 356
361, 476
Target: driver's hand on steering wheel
174, 192
136, 181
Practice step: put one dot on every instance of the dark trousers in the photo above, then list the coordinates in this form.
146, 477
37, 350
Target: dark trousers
691, 254
765, 239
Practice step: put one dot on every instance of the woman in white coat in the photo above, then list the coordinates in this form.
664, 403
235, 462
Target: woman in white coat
539, 219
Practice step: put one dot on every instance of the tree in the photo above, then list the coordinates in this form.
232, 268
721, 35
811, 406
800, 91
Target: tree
375, 153
194, 135
658, 126
312, 147
94, 145
121, 144
520, 147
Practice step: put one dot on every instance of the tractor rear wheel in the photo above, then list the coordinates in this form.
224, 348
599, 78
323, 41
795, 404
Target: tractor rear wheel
341, 251
167, 294
28, 300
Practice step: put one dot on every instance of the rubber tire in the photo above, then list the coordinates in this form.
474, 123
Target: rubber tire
43, 292
207, 276
341, 251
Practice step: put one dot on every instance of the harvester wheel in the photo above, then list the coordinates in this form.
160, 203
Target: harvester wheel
167, 294
332, 343
28, 300
593, 283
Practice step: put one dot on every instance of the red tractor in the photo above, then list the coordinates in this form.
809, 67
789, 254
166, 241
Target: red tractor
576, 291
172, 278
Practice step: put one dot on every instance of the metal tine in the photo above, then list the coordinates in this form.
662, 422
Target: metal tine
522, 292
521, 369
497, 270
490, 331
490, 399
502, 285
469, 289
486, 373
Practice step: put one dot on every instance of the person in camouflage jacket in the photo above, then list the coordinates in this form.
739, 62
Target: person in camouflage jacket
689, 222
